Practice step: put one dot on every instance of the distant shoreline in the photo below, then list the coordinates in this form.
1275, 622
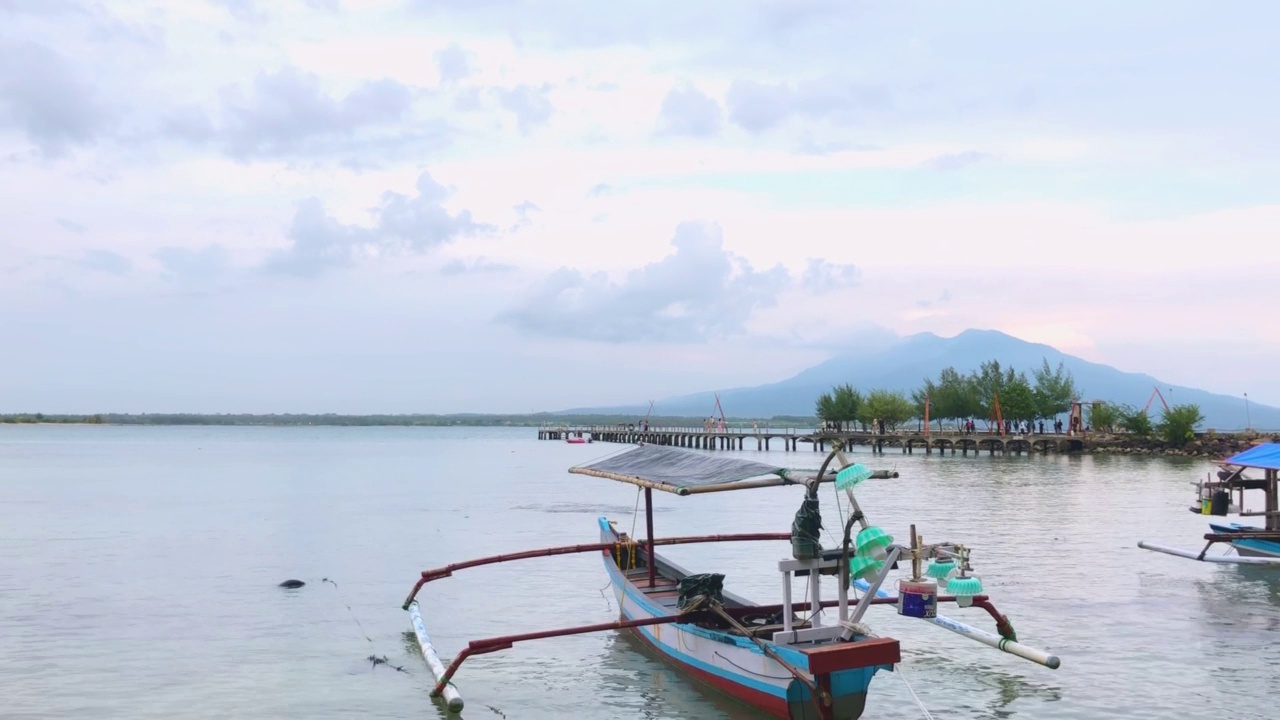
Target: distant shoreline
334, 420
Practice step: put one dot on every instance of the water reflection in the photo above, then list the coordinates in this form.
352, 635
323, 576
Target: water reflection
1241, 598
637, 683
989, 692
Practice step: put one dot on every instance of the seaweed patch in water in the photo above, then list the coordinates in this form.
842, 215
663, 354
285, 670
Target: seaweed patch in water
384, 661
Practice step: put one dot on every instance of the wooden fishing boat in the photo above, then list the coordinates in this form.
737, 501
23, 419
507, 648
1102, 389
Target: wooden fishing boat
794, 660
1253, 545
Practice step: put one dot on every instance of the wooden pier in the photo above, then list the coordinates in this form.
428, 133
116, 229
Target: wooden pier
686, 437
820, 440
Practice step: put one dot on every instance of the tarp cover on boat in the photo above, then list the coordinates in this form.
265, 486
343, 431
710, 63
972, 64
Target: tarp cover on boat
680, 469
1265, 456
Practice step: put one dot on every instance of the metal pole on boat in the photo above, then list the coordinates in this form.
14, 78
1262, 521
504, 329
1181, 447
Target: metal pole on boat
450, 693
648, 521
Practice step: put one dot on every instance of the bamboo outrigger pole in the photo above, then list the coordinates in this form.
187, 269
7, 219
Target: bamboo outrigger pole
450, 693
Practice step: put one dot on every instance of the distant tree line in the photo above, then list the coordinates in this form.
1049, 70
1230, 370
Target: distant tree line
957, 397
413, 420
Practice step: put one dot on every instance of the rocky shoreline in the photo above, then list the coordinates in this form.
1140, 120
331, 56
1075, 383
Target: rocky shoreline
1206, 445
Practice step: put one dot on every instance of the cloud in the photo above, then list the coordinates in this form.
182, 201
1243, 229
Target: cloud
942, 299
319, 242
686, 110
72, 226
600, 190
49, 99
106, 261
524, 212
244, 10
454, 64
288, 113
698, 293
957, 161
821, 277
193, 266
758, 107
807, 145
478, 266
530, 105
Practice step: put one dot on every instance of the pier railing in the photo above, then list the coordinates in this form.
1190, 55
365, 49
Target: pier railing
728, 429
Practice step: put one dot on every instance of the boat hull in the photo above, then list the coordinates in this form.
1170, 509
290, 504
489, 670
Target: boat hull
730, 663
1249, 547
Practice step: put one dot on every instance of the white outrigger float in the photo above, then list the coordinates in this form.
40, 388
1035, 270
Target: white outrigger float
1253, 545
786, 659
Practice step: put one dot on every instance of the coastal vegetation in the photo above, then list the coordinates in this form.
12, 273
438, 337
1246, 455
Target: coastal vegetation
1177, 426
955, 396
845, 407
994, 391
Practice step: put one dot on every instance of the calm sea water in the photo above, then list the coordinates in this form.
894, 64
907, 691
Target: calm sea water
138, 572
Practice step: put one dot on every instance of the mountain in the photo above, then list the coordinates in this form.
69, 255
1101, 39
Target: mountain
902, 365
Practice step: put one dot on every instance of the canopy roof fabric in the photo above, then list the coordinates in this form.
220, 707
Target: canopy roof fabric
680, 471
1265, 457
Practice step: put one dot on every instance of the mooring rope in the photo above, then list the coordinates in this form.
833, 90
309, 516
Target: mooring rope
928, 715
349, 610
374, 659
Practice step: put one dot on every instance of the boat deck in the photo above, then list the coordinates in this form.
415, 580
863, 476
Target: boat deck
666, 593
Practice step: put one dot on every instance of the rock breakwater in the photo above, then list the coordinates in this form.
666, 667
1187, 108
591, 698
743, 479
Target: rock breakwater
1213, 446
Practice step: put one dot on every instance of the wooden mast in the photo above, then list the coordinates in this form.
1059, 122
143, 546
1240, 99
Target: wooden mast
648, 521
1273, 500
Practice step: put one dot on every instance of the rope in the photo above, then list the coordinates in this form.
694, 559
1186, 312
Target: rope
353, 613
928, 715
372, 658
635, 514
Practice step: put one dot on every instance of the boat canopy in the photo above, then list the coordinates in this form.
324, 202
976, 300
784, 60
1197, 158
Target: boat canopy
684, 472
1263, 457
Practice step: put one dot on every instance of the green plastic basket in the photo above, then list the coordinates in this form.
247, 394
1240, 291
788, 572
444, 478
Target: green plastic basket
964, 586
940, 569
873, 541
864, 566
851, 476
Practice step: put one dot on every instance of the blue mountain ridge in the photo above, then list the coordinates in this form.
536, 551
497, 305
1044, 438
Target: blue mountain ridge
906, 362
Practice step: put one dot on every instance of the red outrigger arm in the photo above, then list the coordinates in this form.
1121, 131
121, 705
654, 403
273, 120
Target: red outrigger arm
448, 570
480, 647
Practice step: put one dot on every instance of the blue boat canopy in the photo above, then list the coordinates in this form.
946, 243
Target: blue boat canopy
684, 472
1264, 457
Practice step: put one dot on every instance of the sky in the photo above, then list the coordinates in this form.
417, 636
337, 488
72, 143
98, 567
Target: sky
366, 206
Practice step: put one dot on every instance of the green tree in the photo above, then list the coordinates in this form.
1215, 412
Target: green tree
1134, 420
1054, 390
894, 408
987, 382
1178, 424
937, 408
840, 406
959, 394
1018, 399
1103, 416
